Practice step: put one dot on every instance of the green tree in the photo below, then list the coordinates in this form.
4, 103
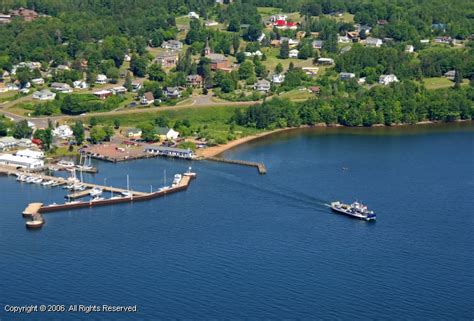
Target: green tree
128, 82
93, 122
78, 132
278, 68
235, 44
98, 134
22, 130
116, 123
46, 137
284, 50
155, 73
246, 70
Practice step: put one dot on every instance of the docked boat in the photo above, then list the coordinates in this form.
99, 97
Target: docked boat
126, 194
30, 179
95, 192
97, 198
66, 164
177, 179
36, 222
47, 183
356, 210
37, 180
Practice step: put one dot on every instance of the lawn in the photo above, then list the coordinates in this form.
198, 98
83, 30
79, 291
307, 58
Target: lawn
346, 17
9, 96
441, 82
212, 119
297, 95
23, 109
273, 60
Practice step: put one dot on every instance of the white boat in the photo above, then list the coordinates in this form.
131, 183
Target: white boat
47, 183
37, 180
97, 198
21, 178
71, 186
79, 187
30, 179
177, 179
95, 192
66, 164
126, 193
189, 173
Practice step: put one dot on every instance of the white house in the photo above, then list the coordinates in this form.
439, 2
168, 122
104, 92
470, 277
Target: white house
61, 87
127, 58
193, 15
293, 53
346, 75
37, 81
63, 131
317, 44
18, 161
262, 85
409, 48
136, 86
147, 98
387, 79
257, 53
101, 79
7, 142
28, 153
325, 61
278, 78
44, 94
172, 45
374, 42
80, 84
166, 133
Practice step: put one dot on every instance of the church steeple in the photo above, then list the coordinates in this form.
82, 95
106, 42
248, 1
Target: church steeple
207, 49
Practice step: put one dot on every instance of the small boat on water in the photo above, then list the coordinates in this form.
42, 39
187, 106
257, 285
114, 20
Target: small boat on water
36, 222
30, 179
356, 210
97, 198
126, 193
95, 192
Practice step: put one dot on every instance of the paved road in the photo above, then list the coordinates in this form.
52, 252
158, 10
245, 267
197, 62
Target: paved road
42, 122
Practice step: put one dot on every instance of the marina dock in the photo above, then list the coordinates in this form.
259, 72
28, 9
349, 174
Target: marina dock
260, 166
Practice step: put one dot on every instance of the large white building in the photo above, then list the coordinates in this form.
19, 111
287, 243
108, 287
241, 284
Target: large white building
63, 131
387, 79
19, 161
28, 153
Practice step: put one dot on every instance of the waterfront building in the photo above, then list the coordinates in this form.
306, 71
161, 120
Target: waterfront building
28, 153
19, 161
170, 151
8, 142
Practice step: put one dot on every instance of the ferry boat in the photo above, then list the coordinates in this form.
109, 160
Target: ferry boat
356, 209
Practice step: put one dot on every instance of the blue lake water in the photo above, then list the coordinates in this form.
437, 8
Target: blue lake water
237, 245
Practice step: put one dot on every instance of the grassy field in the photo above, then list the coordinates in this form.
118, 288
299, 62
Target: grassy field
214, 120
9, 96
441, 82
23, 109
273, 60
297, 95
346, 17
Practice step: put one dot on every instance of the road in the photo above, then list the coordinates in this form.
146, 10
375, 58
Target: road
42, 122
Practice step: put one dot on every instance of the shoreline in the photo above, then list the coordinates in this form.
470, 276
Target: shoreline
219, 149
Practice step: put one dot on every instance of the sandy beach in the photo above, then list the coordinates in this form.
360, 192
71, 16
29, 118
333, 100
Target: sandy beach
216, 150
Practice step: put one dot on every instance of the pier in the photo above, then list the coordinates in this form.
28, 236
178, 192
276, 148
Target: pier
260, 166
35, 210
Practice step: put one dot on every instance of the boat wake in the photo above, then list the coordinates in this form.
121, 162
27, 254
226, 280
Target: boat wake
301, 199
